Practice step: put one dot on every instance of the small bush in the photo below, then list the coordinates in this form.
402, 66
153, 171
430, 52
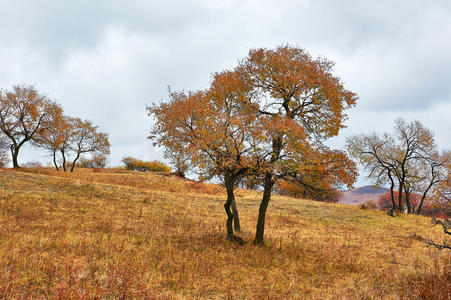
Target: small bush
98, 161
368, 205
32, 164
145, 166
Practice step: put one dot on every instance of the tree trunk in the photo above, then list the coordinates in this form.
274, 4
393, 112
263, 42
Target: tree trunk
229, 184
420, 206
260, 231
54, 160
236, 218
392, 195
64, 160
74, 162
400, 204
409, 206
15, 154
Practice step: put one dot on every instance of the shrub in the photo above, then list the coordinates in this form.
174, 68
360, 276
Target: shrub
368, 205
430, 208
143, 166
98, 161
32, 164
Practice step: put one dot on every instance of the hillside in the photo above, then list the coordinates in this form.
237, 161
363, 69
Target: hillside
126, 234
362, 194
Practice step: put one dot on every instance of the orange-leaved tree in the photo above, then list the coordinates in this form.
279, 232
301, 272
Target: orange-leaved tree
215, 128
25, 115
56, 132
318, 175
304, 104
85, 138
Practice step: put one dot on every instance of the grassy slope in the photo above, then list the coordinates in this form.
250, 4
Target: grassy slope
119, 233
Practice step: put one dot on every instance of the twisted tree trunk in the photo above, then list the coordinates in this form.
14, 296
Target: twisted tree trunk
260, 231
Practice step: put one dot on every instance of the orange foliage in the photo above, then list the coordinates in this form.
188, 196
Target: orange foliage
26, 115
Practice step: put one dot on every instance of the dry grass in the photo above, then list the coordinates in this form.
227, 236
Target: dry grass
114, 234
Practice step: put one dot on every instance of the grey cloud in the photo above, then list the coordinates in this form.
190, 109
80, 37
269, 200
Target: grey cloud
106, 60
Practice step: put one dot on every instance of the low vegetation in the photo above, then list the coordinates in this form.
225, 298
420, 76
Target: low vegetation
122, 234
134, 164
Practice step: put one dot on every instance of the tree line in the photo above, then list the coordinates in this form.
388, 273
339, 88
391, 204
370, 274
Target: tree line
27, 116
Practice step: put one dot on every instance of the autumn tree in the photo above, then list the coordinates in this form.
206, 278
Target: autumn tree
318, 179
56, 132
85, 138
442, 197
214, 128
302, 104
25, 115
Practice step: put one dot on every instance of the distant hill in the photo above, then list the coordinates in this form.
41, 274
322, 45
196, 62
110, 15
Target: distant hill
362, 194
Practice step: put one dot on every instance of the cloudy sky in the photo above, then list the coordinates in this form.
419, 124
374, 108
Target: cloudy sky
106, 60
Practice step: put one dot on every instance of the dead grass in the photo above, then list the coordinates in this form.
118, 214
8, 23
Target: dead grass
114, 234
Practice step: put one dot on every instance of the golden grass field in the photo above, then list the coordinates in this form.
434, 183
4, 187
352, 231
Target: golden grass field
119, 234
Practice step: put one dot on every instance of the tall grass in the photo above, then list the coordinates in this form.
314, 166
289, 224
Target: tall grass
118, 234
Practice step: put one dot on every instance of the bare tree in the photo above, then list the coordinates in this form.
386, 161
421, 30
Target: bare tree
372, 152
446, 225
400, 160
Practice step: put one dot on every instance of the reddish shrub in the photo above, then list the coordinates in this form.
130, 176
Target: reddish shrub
428, 209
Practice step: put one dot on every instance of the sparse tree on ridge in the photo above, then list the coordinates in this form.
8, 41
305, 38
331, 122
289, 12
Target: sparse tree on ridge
267, 118
372, 152
53, 140
84, 138
214, 128
302, 102
24, 115
407, 159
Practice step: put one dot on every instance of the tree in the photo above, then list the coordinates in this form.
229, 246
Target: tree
302, 102
442, 195
407, 159
432, 172
214, 128
414, 143
25, 115
84, 138
54, 137
373, 152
